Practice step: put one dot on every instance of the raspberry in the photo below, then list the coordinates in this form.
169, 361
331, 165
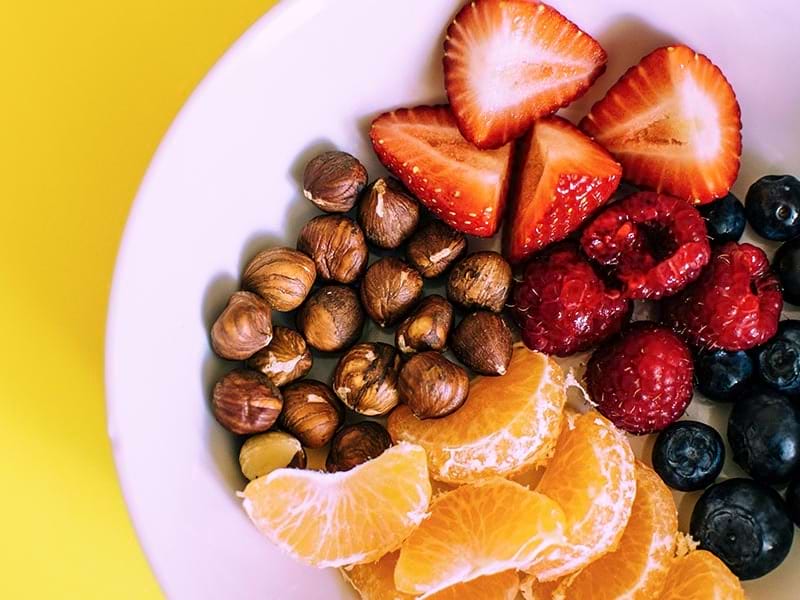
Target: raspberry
562, 305
655, 245
735, 305
641, 380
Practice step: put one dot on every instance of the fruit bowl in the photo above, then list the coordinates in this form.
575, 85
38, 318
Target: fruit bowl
226, 183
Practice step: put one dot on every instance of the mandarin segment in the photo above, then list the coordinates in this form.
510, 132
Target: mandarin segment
507, 423
375, 581
478, 529
591, 476
336, 519
701, 576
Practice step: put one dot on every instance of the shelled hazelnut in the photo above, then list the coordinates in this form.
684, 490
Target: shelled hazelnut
285, 359
387, 213
266, 452
356, 444
333, 181
337, 246
481, 280
243, 327
427, 327
311, 412
331, 319
365, 378
246, 402
432, 386
484, 343
281, 276
434, 247
390, 289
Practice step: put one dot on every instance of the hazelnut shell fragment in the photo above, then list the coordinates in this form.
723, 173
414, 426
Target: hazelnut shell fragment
484, 343
331, 319
286, 358
333, 181
427, 327
243, 327
389, 290
266, 452
434, 248
432, 386
246, 402
337, 246
281, 276
387, 213
481, 280
311, 412
365, 378
356, 444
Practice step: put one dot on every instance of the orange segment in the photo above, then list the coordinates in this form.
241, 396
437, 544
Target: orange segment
506, 423
336, 519
591, 476
638, 568
375, 581
701, 576
476, 530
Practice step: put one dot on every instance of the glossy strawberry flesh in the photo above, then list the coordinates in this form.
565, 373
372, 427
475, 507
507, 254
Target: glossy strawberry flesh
563, 306
655, 245
735, 305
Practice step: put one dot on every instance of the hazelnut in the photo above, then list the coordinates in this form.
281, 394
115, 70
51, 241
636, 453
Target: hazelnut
337, 246
266, 452
311, 412
285, 359
282, 276
434, 247
366, 378
244, 327
387, 213
356, 444
333, 180
389, 290
246, 402
332, 319
481, 280
484, 343
432, 386
427, 327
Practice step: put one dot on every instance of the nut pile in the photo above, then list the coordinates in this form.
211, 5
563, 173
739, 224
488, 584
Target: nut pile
328, 281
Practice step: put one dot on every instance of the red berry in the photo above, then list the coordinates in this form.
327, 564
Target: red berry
563, 306
655, 245
641, 380
735, 305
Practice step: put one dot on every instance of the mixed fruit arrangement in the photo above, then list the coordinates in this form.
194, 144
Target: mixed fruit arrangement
494, 486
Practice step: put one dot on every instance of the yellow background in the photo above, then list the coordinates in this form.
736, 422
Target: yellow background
88, 89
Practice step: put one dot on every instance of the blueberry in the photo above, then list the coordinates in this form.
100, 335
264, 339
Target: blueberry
764, 435
779, 359
688, 455
745, 524
793, 500
725, 219
772, 206
786, 265
721, 375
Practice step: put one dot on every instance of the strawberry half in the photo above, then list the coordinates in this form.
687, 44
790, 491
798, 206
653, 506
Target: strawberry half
464, 186
509, 62
674, 123
562, 178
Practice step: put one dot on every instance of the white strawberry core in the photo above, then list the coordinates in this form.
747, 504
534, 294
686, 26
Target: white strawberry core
702, 118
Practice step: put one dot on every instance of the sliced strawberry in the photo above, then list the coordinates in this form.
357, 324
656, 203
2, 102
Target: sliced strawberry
674, 123
463, 186
507, 63
563, 177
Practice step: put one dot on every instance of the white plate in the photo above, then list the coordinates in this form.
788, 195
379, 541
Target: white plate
225, 183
